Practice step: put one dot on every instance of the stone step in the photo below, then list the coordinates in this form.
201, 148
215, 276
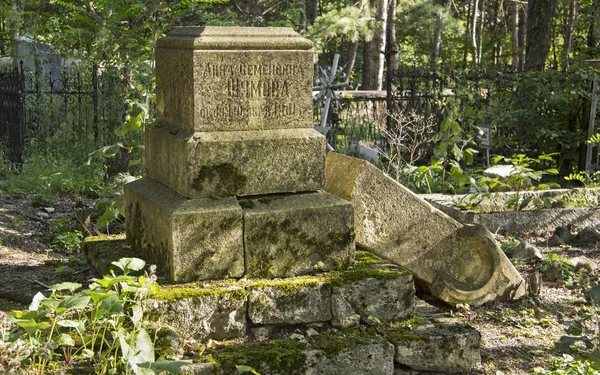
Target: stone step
360, 320
411, 346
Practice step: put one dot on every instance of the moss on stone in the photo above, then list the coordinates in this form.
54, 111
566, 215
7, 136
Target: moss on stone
290, 286
278, 356
366, 258
247, 203
402, 330
404, 335
171, 293
232, 222
225, 177
362, 273
334, 344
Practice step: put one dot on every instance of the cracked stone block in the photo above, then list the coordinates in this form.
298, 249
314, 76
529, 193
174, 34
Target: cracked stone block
386, 299
297, 234
300, 300
200, 313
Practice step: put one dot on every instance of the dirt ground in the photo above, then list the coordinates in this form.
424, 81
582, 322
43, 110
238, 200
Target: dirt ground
516, 337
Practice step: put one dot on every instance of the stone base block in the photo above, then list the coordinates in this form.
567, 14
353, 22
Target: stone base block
241, 163
297, 234
188, 239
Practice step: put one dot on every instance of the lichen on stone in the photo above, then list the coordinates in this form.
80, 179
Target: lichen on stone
225, 178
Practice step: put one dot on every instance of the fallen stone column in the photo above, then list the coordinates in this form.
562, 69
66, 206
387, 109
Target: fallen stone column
458, 263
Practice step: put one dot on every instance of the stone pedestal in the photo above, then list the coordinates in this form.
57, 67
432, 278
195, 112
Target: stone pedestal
234, 120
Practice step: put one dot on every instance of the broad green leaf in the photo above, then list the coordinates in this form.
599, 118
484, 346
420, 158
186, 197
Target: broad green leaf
65, 340
71, 287
575, 328
243, 369
134, 264
173, 367
565, 342
75, 302
99, 296
68, 323
86, 353
595, 293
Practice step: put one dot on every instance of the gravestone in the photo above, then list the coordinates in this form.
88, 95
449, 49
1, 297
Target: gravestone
38, 58
233, 163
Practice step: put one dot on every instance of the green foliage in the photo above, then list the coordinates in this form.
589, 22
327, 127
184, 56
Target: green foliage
557, 268
353, 23
568, 365
102, 325
509, 244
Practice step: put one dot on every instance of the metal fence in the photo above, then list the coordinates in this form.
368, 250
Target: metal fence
77, 111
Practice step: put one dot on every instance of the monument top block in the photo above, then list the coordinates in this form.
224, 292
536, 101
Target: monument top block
234, 79
235, 38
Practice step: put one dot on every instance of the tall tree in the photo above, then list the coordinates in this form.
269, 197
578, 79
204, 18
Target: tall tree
373, 51
540, 17
514, 34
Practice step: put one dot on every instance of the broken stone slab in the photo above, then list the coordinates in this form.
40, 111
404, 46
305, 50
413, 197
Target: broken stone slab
233, 78
442, 344
459, 264
241, 163
297, 234
526, 251
200, 313
289, 302
188, 239
374, 299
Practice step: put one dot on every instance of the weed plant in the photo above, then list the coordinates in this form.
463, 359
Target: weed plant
102, 328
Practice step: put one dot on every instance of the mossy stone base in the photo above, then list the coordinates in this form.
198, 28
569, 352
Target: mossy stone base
188, 239
240, 163
297, 234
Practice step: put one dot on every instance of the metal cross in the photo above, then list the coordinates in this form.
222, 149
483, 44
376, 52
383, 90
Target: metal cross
325, 88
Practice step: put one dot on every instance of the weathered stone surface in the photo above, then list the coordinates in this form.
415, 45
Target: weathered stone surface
223, 164
588, 235
101, 251
188, 239
370, 358
386, 300
290, 302
448, 346
297, 234
573, 208
525, 250
233, 78
198, 369
217, 313
460, 264
359, 352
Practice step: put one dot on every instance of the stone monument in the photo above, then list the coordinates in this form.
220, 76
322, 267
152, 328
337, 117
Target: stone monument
235, 170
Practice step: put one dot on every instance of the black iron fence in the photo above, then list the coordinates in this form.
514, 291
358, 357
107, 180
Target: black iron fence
76, 112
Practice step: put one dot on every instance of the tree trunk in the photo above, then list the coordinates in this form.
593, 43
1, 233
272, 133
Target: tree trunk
593, 36
351, 60
514, 34
480, 44
540, 15
474, 30
568, 35
303, 15
435, 48
373, 52
390, 37
522, 36
312, 11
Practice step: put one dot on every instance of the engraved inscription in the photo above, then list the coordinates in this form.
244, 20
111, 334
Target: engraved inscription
250, 87
235, 111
